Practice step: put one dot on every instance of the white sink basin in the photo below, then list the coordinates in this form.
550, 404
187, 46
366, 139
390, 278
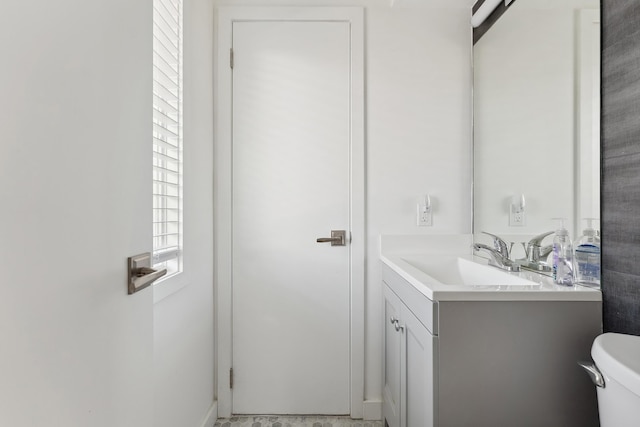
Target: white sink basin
464, 272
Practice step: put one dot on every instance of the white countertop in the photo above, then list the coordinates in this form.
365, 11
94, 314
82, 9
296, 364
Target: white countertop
541, 288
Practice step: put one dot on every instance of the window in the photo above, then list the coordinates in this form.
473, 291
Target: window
167, 135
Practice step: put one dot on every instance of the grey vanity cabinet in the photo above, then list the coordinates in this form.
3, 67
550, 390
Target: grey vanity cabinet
391, 359
409, 361
486, 363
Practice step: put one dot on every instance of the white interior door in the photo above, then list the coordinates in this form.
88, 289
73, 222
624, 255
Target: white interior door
291, 185
75, 185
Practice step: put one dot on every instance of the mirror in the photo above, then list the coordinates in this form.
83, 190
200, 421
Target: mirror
537, 118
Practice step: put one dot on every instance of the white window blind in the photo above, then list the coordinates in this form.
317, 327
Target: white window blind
167, 135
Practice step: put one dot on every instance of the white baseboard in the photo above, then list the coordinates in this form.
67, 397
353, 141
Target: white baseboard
212, 415
372, 410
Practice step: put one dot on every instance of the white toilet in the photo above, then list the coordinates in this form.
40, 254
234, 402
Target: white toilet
617, 376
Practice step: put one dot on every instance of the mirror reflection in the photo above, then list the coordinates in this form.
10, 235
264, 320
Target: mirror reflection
537, 119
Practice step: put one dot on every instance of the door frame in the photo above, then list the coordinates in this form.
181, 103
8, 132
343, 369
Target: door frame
223, 189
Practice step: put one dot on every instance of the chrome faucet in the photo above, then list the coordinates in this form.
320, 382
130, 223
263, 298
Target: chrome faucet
500, 245
497, 258
536, 254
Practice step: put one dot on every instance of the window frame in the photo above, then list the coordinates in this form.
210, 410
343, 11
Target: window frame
168, 169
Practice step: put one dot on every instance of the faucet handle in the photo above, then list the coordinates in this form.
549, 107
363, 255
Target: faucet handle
500, 245
537, 241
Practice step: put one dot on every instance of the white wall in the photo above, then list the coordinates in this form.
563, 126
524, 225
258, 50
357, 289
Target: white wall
75, 185
418, 135
418, 72
183, 321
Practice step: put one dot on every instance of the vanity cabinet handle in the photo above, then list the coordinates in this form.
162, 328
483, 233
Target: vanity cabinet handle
396, 323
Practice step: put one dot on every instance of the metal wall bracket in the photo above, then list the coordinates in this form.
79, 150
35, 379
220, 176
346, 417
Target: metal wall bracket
140, 274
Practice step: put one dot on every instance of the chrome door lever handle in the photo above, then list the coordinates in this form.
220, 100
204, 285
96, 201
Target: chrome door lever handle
146, 276
337, 238
144, 271
328, 239
140, 272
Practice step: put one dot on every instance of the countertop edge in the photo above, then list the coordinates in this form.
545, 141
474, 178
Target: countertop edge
437, 291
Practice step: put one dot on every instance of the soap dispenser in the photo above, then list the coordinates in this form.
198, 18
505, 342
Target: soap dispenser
588, 256
562, 256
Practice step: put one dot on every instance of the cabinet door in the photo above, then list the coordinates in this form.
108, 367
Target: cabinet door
417, 373
392, 345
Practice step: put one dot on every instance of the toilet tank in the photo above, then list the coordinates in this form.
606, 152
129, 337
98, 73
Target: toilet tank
617, 356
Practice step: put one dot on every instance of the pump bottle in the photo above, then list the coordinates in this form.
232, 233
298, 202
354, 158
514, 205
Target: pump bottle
562, 256
588, 256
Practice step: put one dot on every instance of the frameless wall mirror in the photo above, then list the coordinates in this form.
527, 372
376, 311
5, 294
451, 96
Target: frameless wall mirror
537, 118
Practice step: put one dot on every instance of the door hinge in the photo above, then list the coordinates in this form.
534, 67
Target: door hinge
231, 58
231, 378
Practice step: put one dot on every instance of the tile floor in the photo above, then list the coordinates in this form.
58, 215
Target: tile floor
293, 421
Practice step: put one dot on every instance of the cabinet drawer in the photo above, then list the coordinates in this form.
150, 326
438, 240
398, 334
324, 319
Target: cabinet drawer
422, 307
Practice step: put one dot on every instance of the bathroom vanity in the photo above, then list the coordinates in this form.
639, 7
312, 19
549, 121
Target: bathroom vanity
466, 344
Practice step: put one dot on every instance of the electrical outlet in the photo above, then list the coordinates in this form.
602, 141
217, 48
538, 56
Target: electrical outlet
425, 216
517, 211
517, 217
